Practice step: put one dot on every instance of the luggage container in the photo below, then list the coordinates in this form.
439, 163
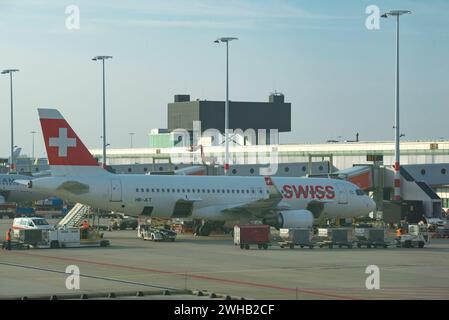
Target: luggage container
252, 234
370, 237
296, 236
341, 237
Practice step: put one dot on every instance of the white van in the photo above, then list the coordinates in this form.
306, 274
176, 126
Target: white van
33, 223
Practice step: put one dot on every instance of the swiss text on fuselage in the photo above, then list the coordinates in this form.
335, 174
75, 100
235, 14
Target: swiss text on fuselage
309, 191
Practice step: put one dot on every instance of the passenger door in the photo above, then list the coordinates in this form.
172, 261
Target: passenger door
342, 194
116, 190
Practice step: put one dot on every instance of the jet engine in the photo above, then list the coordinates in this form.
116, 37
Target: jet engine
291, 219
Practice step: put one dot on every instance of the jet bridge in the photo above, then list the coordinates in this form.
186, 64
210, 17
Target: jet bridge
378, 180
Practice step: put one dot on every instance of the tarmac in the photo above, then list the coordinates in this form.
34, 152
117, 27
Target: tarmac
215, 265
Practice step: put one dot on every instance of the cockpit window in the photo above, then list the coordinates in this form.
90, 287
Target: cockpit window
360, 192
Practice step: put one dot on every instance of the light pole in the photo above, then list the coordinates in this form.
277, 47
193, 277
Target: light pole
12, 164
131, 137
102, 58
226, 128
32, 144
397, 174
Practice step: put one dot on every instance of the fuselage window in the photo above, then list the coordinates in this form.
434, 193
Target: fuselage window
188, 190
183, 190
238, 191
168, 190
173, 190
179, 191
223, 191
243, 191
252, 191
208, 190
247, 191
213, 190
157, 190
198, 190
152, 189
137, 189
233, 191
218, 190
148, 190
163, 190
204, 191
143, 190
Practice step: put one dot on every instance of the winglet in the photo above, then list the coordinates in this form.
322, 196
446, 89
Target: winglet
273, 190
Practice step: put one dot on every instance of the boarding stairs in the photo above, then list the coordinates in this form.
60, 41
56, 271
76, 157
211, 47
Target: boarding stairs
74, 217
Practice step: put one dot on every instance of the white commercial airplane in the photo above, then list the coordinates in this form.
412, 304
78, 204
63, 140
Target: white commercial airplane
278, 201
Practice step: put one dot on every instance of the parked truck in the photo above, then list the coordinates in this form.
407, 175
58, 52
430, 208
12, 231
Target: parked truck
252, 234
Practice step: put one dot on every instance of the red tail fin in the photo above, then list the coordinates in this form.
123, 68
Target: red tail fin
64, 147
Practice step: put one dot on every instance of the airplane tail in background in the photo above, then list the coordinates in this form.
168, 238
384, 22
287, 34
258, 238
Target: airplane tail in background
67, 155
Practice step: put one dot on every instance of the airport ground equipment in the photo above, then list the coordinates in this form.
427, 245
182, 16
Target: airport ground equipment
417, 237
74, 217
441, 232
60, 238
246, 235
123, 224
147, 232
331, 237
292, 237
370, 238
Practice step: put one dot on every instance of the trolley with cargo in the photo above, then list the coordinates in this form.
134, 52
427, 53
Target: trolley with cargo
252, 234
370, 238
332, 237
292, 237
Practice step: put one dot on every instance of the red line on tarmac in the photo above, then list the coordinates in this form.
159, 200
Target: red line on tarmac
241, 282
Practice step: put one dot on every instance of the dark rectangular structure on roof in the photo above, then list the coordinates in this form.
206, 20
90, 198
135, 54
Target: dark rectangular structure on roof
274, 114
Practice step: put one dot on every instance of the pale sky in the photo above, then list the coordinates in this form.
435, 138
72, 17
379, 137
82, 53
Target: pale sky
338, 75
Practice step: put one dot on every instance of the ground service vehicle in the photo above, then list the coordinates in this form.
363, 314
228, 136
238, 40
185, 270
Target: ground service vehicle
147, 232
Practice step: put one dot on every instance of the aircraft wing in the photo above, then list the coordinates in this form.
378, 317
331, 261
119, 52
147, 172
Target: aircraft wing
258, 207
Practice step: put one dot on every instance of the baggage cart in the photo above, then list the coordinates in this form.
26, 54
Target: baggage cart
370, 237
292, 237
341, 237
